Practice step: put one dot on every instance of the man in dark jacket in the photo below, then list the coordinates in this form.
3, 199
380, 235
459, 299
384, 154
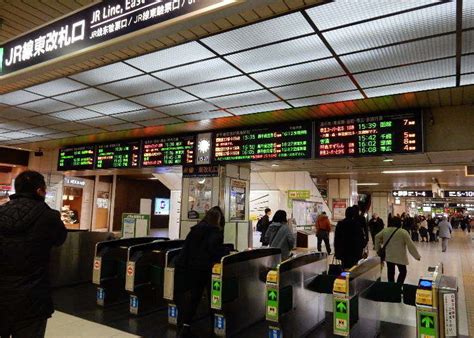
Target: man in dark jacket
359, 218
349, 240
375, 225
28, 231
263, 224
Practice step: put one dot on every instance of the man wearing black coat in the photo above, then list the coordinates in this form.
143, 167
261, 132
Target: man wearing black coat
349, 239
29, 228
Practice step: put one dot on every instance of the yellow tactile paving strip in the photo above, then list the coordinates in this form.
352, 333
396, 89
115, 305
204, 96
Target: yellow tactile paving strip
467, 260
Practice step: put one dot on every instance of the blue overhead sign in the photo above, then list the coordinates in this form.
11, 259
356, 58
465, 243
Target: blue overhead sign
91, 26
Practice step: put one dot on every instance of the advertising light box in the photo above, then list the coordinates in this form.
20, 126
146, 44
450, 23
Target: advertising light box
280, 142
374, 135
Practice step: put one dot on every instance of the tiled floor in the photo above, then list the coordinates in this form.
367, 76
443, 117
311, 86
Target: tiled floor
62, 325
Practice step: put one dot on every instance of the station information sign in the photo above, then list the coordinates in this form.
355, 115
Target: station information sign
118, 155
168, 151
76, 158
280, 142
412, 193
459, 193
383, 134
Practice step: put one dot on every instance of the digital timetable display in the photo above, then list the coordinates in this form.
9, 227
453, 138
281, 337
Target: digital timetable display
291, 141
168, 151
118, 155
393, 133
76, 158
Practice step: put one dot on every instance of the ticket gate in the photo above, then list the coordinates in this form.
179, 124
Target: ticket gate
436, 305
238, 289
145, 275
110, 261
293, 309
349, 295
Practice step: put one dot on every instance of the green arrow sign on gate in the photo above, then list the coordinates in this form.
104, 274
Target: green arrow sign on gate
272, 303
427, 324
341, 317
216, 295
216, 285
341, 306
272, 295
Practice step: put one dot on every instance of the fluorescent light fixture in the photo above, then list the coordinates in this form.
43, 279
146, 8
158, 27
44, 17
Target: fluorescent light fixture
388, 159
368, 184
321, 87
415, 171
109, 73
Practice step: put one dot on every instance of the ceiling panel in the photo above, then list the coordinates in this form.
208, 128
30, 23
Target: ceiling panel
411, 87
14, 113
467, 64
115, 107
88, 131
86, 96
140, 115
60, 135
187, 108
468, 41
205, 116
115, 71
468, 14
300, 73
223, 87
44, 120
15, 125
198, 72
18, 97
56, 87
34, 139
15, 135
163, 98
124, 126
170, 57
467, 79
268, 31
421, 71
135, 86
39, 131
75, 114
102, 121
68, 126
161, 122
344, 12
424, 22
46, 106
259, 108
280, 54
416, 51
316, 88
339, 97
259, 96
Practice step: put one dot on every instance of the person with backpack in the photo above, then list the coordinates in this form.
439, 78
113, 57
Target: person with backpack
323, 229
392, 244
279, 234
262, 225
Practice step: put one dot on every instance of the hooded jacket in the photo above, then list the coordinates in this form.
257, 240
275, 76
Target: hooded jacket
280, 236
29, 228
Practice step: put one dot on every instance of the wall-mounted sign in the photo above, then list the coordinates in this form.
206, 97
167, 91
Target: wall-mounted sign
91, 26
412, 193
201, 171
135, 225
118, 155
461, 205
396, 133
204, 149
73, 181
281, 142
299, 194
433, 205
76, 158
167, 151
459, 193
238, 199
339, 206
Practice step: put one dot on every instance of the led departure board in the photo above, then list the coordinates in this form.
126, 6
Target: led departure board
76, 158
290, 141
391, 133
165, 151
118, 155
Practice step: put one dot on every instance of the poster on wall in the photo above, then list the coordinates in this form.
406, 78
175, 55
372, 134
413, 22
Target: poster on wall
339, 209
200, 197
135, 225
238, 195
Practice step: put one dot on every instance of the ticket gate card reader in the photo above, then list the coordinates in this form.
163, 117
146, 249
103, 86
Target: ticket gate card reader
341, 305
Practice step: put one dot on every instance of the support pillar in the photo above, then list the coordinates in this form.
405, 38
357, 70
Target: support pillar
342, 193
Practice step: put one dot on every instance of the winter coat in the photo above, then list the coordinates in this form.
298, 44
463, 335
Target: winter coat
323, 224
202, 248
280, 236
396, 250
29, 228
349, 240
445, 229
376, 225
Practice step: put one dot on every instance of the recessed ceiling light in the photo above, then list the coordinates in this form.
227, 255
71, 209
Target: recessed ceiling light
388, 159
367, 184
421, 171
275, 165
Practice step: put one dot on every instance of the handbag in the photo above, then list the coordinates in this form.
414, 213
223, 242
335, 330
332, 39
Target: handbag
335, 268
382, 252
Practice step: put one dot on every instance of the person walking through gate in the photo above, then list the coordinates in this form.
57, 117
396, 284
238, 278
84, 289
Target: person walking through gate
263, 224
203, 247
375, 226
323, 229
396, 242
29, 228
445, 230
349, 239
279, 234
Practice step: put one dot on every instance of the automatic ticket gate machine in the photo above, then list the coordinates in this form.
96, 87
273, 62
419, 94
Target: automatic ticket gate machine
348, 296
110, 261
238, 290
168, 289
144, 279
436, 305
292, 308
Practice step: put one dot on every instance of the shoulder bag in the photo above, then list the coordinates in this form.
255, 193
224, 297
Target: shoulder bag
382, 252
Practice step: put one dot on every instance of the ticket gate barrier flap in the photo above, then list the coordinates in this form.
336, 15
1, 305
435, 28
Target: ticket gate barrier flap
169, 277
